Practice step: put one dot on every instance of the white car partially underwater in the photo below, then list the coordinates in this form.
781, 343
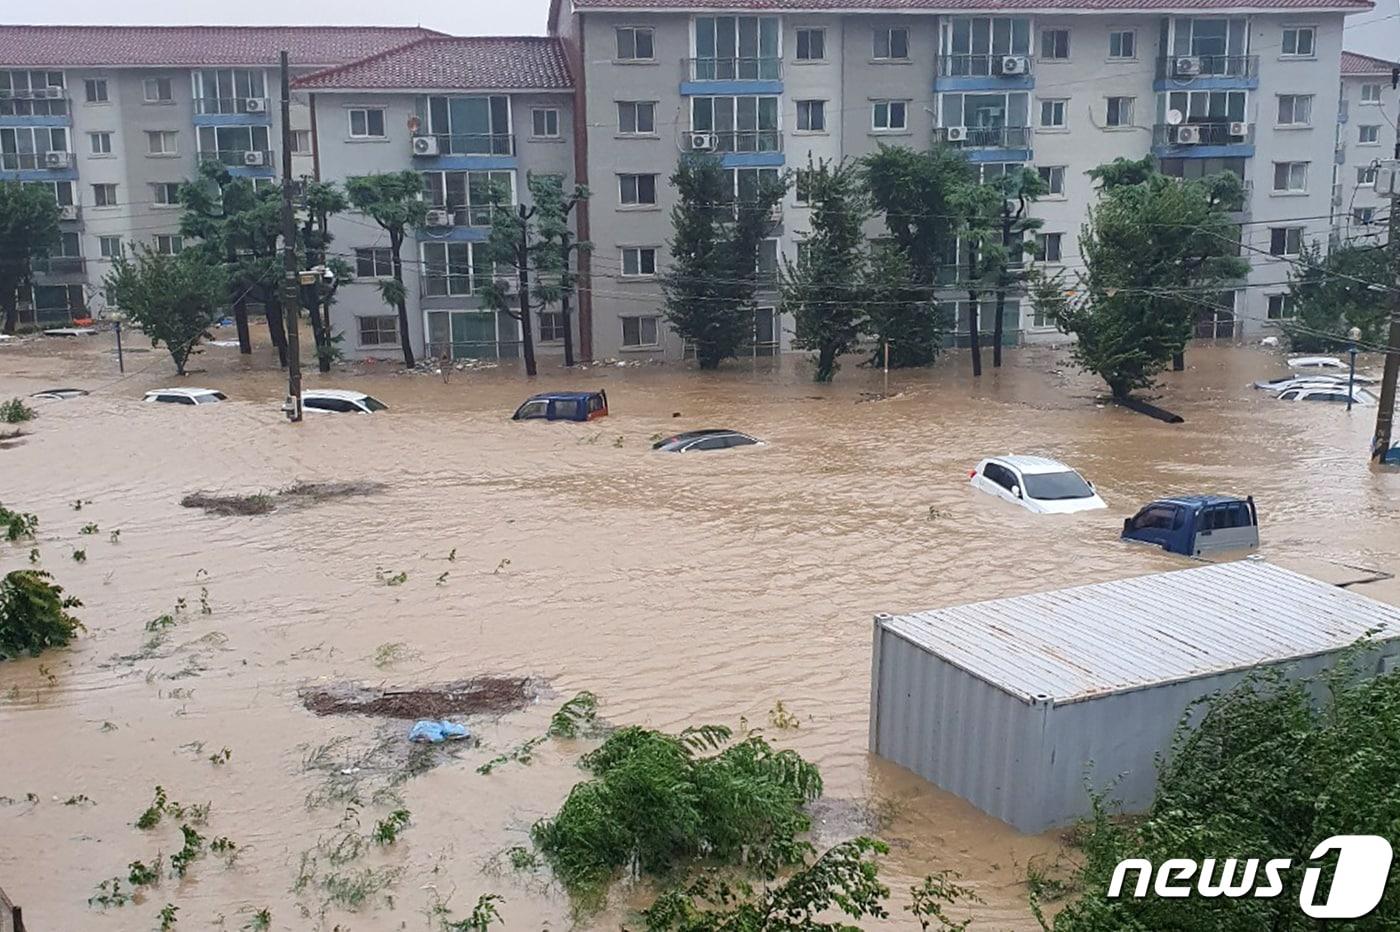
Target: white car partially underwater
1036, 483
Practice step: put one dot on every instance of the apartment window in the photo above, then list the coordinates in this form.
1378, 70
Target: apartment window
1120, 111
1291, 177
1363, 215
639, 331
1368, 135
1295, 109
1052, 114
95, 90
544, 123
1047, 246
33, 147
478, 125
889, 115
158, 90
109, 247
104, 195
168, 244
230, 90
469, 197
1370, 93
1280, 307
1366, 176
374, 262
1122, 43
162, 142
1285, 241
1298, 41
637, 190
811, 115
366, 123
739, 124
1054, 44
636, 117
378, 329
1054, 178
802, 186
811, 44
165, 194
301, 142
32, 93
634, 44
100, 143
891, 44
638, 261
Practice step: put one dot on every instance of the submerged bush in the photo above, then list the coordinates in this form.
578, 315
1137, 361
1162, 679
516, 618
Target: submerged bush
33, 614
654, 802
15, 411
16, 525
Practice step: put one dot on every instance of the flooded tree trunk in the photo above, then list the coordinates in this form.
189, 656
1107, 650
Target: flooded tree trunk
240, 323
276, 328
527, 328
974, 342
396, 243
998, 328
10, 303
564, 316
1179, 361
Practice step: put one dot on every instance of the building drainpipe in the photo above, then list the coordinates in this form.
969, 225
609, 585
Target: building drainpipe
315, 140
581, 219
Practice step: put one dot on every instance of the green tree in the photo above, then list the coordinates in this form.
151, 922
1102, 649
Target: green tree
904, 315
173, 299
1329, 294
28, 231
916, 194
826, 291
394, 200
710, 284
320, 201
34, 614
1153, 249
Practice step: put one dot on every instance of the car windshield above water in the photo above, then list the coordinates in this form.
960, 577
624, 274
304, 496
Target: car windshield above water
1053, 486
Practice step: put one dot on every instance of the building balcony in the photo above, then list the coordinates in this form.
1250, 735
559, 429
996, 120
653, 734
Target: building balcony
1190, 67
209, 106
35, 161
984, 66
741, 140
1182, 139
430, 145
440, 217
734, 69
42, 102
60, 266
985, 137
241, 158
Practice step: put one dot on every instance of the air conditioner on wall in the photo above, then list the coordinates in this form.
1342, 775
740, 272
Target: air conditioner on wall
439, 218
1187, 135
53, 91
55, 159
254, 158
1186, 67
702, 142
425, 145
254, 105
1014, 64
68, 212
1388, 178
1238, 129
956, 133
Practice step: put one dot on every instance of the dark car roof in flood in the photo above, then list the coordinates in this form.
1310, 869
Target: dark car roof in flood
707, 432
561, 396
1201, 500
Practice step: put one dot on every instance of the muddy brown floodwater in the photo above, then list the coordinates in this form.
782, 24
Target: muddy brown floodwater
679, 589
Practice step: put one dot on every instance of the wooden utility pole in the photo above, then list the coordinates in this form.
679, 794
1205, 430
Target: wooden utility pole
522, 252
291, 280
1385, 414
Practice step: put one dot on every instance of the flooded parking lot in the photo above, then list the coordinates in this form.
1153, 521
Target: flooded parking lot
679, 589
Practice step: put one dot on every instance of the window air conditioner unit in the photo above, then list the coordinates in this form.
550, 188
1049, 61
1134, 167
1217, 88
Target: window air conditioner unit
425, 145
55, 159
1239, 129
957, 133
1388, 178
254, 105
702, 142
53, 92
1187, 67
68, 212
254, 158
1014, 64
439, 218
1188, 135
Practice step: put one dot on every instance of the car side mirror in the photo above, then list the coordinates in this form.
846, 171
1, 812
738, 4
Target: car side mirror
1016, 491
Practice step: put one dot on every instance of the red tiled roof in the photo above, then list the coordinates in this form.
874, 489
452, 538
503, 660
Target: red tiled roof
990, 5
449, 62
76, 46
1356, 63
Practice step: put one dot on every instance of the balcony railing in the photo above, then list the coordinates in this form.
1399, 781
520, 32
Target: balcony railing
985, 137
475, 215
27, 161
59, 265
984, 65
1186, 67
740, 140
241, 158
208, 105
734, 69
34, 103
441, 285
431, 144
1186, 135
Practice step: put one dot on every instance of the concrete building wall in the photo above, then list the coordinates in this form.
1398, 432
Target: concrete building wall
1356, 112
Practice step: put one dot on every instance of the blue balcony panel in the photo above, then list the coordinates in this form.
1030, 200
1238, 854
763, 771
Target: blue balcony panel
1220, 82
984, 82
1239, 151
752, 159
449, 163
998, 155
62, 119
454, 235
735, 88
233, 119
40, 174
252, 171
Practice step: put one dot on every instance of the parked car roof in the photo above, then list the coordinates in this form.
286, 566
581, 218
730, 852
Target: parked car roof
340, 393
1202, 499
1316, 362
677, 441
59, 394
185, 392
561, 396
1031, 464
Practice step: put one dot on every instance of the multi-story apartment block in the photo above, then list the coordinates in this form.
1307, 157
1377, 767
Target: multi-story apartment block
114, 119
471, 115
1365, 136
1211, 87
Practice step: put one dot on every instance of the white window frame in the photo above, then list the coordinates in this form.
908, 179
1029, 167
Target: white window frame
635, 30
105, 186
1363, 216
366, 111
1290, 190
374, 263
1294, 233
1366, 176
156, 140
154, 81
1285, 309
1060, 103
1063, 173
888, 32
1040, 46
297, 147
175, 241
1295, 123
1122, 32
360, 330
535, 114
103, 242
1298, 31
1366, 98
99, 152
656, 324
888, 104
1120, 124
1041, 238
94, 85
165, 189
812, 105
797, 44
637, 204
636, 106
639, 251
1361, 139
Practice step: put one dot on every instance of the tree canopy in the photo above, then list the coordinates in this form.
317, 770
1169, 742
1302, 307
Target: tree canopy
394, 200
28, 231
173, 299
1329, 294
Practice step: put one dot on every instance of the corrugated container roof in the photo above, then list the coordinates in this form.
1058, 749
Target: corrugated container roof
1087, 641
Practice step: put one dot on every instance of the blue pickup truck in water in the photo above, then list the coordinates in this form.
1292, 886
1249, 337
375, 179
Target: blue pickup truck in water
1196, 525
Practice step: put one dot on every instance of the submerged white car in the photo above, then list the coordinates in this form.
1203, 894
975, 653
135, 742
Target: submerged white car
340, 401
1036, 483
1316, 362
186, 396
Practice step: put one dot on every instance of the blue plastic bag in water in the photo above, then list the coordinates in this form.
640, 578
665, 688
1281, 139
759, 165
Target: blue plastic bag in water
433, 732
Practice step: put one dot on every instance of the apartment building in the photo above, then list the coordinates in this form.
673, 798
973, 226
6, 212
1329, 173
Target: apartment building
468, 114
114, 119
1063, 86
1365, 135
